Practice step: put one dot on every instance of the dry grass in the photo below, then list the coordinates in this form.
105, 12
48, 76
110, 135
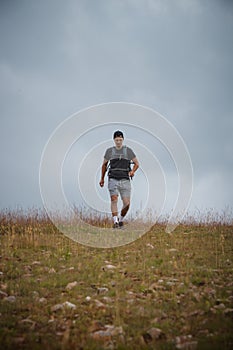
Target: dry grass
180, 283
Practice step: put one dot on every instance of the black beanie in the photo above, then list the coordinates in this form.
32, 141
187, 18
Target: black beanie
118, 133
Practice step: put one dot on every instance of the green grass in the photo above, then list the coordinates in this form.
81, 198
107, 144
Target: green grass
180, 283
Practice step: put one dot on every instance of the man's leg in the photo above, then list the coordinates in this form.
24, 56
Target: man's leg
112, 186
114, 209
126, 204
125, 192
125, 208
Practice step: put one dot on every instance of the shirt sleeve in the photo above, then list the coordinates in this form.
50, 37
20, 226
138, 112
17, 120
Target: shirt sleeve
130, 153
107, 154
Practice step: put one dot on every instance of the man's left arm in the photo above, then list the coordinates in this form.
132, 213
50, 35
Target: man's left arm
135, 167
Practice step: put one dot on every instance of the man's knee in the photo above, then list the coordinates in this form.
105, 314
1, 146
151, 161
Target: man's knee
126, 202
114, 198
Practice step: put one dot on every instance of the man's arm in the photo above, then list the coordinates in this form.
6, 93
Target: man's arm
103, 172
135, 167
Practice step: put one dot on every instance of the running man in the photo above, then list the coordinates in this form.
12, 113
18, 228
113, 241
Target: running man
119, 176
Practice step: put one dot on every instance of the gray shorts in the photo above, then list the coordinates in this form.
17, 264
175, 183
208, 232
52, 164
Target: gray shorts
119, 186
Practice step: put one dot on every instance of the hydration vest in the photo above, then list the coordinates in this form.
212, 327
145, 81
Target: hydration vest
119, 165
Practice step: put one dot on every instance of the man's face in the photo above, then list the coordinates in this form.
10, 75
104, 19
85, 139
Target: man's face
118, 142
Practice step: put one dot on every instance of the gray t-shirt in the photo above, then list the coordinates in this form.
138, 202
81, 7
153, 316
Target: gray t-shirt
119, 153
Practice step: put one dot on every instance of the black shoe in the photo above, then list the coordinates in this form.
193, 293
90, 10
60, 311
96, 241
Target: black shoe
116, 225
121, 224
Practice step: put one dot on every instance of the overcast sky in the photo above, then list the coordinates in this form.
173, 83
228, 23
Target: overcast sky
58, 57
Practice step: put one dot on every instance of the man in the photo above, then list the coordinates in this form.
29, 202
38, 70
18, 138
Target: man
119, 176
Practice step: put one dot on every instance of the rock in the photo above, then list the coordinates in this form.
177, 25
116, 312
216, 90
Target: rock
42, 300
150, 245
185, 342
52, 270
18, 340
27, 320
88, 298
11, 299
107, 299
220, 306
102, 290
114, 330
96, 326
228, 311
153, 334
109, 267
3, 294
102, 335
57, 307
105, 333
69, 305
99, 304
36, 263
71, 285
61, 306
187, 346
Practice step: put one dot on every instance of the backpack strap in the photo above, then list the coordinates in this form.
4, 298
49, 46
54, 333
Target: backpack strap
125, 152
125, 156
113, 153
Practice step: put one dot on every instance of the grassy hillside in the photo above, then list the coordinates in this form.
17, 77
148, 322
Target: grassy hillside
164, 291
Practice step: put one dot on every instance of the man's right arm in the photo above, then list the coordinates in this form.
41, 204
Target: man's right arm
103, 172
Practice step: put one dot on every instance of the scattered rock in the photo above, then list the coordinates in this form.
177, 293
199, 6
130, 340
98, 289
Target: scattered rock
96, 326
187, 346
105, 333
18, 340
150, 245
88, 298
36, 263
42, 300
109, 267
99, 304
228, 311
3, 294
71, 285
3, 286
56, 307
102, 290
102, 335
69, 305
220, 306
107, 299
11, 299
185, 342
153, 334
52, 270
27, 320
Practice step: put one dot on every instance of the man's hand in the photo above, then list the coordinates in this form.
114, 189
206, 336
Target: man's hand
101, 183
131, 173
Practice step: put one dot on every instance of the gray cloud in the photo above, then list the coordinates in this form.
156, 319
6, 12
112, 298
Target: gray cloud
175, 57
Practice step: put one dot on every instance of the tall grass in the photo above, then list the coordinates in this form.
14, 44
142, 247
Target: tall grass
180, 283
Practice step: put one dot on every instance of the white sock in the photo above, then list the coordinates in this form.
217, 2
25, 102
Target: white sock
121, 218
115, 219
